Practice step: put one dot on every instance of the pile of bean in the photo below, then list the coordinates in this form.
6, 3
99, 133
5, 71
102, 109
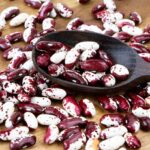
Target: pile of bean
85, 63
27, 97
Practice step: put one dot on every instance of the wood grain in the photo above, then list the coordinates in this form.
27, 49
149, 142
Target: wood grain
82, 11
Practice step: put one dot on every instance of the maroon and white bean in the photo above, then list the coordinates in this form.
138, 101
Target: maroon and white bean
123, 22
136, 100
70, 122
142, 38
4, 44
30, 107
65, 134
10, 12
33, 3
120, 72
135, 16
122, 102
113, 131
28, 65
30, 22
59, 56
73, 76
43, 60
91, 77
131, 30
56, 69
44, 10
16, 133
87, 45
111, 26
35, 40
141, 112
71, 58
14, 37
74, 24
13, 120
112, 120
145, 56
123, 36
94, 65
29, 34
24, 142
23, 97
28, 54
110, 4
104, 56
46, 119
54, 93
90, 28
87, 54
76, 141
118, 15
17, 61
12, 134
29, 85
53, 13
139, 48
92, 130
30, 120
19, 19
62, 111
63, 10
41, 85
71, 106
131, 141
57, 111
51, 134
98, 8
107, 103
48, 23
107, 16
42, 101
112, 143
108, 80
88, 108
11, 87
145, 123
132, 123
49, 46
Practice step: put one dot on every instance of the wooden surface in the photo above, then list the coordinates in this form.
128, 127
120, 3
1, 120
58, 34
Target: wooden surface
82, 11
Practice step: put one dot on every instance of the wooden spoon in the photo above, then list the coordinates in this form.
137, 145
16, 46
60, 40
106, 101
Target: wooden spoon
119, 51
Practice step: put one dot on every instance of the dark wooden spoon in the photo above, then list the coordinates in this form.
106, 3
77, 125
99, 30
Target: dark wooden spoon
120, 52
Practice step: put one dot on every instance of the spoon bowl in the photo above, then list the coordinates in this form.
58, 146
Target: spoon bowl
119, 51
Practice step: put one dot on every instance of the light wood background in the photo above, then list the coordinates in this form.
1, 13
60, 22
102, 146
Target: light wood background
84, 12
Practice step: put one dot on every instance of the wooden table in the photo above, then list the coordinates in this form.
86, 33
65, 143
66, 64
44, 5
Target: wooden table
84, 12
